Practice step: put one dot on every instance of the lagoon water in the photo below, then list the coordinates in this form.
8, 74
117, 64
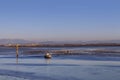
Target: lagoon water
62, 67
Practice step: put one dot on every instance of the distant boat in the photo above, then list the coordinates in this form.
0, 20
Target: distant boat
48, 56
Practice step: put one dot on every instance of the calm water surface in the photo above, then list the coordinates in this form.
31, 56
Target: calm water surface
63, 67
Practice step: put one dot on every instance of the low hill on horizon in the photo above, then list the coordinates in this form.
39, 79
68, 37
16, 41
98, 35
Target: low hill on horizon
22, 41
14, 41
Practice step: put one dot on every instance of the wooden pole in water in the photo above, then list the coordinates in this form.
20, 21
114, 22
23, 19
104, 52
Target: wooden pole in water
17, 48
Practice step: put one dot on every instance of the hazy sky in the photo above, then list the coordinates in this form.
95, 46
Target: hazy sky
60, 19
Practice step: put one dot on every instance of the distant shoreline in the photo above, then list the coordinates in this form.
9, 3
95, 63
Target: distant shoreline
63, 45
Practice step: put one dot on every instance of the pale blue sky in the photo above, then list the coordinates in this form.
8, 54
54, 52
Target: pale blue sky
60, 19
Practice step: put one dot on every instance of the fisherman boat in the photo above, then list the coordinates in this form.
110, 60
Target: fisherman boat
48, 56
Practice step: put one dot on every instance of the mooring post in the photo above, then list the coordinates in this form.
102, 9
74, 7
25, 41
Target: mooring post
17, 48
